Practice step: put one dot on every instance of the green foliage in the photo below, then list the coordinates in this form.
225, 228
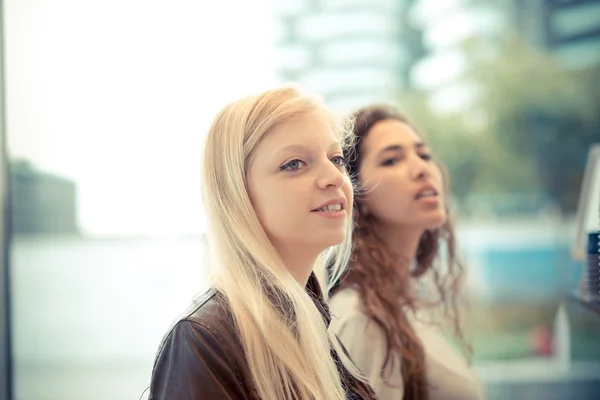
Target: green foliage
527, 133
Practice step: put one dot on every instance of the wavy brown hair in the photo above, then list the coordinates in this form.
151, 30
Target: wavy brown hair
384, 281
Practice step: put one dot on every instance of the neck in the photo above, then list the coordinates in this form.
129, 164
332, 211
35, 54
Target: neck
401, 241
299, 263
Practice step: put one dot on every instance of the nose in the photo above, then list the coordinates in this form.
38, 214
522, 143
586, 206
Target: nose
330, 177
419, 168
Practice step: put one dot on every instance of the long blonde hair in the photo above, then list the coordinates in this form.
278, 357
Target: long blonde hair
283, 333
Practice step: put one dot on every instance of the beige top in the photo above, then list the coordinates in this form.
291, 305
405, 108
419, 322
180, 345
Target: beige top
449, 375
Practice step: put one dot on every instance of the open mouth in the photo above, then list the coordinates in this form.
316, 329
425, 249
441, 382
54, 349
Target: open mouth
330, 208
426, 193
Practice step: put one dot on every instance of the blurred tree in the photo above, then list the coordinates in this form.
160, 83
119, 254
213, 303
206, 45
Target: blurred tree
529, 130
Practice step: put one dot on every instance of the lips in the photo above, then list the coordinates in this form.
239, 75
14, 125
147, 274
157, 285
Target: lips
331, 206
427, 191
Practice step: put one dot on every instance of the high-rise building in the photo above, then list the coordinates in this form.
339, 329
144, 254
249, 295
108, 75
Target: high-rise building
351, 52
446, 26
570, 29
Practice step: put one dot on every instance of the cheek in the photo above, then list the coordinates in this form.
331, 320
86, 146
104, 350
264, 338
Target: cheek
348, 190
259, 207
279, 209
263, 201
385, 190
386, 198
268, 216
439, 179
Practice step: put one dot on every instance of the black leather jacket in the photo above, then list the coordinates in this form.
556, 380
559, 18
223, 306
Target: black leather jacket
201, 356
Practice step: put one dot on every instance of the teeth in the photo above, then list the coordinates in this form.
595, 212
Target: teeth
426, 193
331, 208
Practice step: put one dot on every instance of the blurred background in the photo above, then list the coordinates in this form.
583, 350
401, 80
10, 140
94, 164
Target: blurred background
106, 104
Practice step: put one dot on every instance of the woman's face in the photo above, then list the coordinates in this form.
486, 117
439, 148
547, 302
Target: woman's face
403, 186
299, 187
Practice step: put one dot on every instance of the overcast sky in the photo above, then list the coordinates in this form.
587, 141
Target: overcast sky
116, 95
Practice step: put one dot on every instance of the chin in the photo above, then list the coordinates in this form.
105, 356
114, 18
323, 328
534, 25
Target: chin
327, 240
436, 221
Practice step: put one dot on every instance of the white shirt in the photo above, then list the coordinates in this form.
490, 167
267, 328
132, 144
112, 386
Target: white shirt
448, 374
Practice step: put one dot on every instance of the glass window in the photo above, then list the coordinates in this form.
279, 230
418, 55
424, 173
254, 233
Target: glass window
107, 105
362, 51
574, 20
326, 26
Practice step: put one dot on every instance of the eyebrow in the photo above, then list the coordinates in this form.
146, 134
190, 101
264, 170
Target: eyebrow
300, 148
397, 147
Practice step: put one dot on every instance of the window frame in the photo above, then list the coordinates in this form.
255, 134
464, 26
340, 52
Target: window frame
6, 375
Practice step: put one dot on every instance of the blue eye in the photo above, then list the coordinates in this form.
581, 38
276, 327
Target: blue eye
339, 160
293, 165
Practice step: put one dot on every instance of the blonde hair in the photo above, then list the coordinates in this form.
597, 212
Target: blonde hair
284, 335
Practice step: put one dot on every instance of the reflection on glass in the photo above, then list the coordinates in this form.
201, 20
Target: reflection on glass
107, 102
588, 213
588, 230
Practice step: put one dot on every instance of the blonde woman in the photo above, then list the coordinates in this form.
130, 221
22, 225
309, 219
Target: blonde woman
277, 197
